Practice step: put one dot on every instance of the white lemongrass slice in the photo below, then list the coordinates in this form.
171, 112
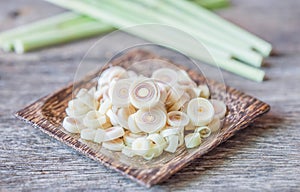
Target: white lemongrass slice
112, 117
99, 136
105, 106
132, 124
94, 119
190, 126
132, 75
130, 137
180, 103
114, 145
163, 90
88, 134
174, 94
128, 151
181, 137
151, 120
154, 151
77, 108
173, 141
182, 75
205, 93
204, 131
84, 96
92, 91
72, 125
219, 107
119, 93
177, 119
113, 133
171, 131
141, 145
200, 111
111, 73
166, 75
144, 93
98, 95
123, 115
197, 91
158, 140
192, 140
215, 124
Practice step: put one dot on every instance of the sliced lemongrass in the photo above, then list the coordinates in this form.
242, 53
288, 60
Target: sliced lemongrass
205, 93
112, 117
132, 74
171, 131
114, 145
113, 133
192, 140
76, 108
158, 140
177, 119
72, 125
200, 111
166, 75
151, 120
163, 91
94, 119
120, 93
130, 137
177, 105
190, 126
219, 107
204, 131
173, 141
141, 145
128, 151
174, 94
197, 91
84, 96
183, 76
99, 136
144, 93
99, 94
105, 106
154, 151
88, 134
123, 114
181, 137
215, 124
192, 92
132, 124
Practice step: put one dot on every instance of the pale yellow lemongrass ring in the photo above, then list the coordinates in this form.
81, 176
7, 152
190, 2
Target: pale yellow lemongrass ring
170, 131
123, 115
72, 125
128, 151
119, 93
105, 105
177, 119
192, 140
114, 145
174, 94
205, 93
166, 75
113, 133
140, 146
200, 111
94, 119
204, 131
132, 124
85, 97
150, 121
77, 108
180, 103
130, 137
112, 117
88, 134
173, 141
99, 136
157, 139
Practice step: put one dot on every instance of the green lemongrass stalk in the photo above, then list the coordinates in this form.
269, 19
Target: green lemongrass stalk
156, 37
149, 15
59, 21
212, 4
54, 37
221, 24
161, 6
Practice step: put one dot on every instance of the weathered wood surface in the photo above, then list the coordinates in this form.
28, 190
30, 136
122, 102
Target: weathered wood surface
264, 157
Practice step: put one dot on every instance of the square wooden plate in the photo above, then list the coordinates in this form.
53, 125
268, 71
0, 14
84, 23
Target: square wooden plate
48, 112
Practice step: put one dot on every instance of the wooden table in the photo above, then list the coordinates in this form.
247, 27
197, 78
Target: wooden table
263, 157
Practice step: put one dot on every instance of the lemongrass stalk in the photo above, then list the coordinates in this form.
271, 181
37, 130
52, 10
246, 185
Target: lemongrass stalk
54, 37
121, 20
212, 4
164, 8
221, 24
149, 15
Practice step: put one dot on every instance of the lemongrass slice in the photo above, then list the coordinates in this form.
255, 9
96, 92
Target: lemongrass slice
111, 73
84, 96
120, 93
132, 124
158, 140
200, 111
105, 106
72, 125
163, 90
114, 145
204, 131
128, 151
130, 137
215, 124
76, 108
181, 137
192, 140
219, 107
132, 75
112, 117
144, 93
94, 119
174, 94
151, 120
179, 104
140, 146
99, 93
177, 119
190, 126
170, 131
173, 141
166, 75
113, 133
99, 136
154, 151
205, 93
88, 134
123, 114
183, 76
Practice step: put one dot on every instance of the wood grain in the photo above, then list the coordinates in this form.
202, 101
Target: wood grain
266, 159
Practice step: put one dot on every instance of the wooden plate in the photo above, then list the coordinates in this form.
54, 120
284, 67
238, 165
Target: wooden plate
48, 112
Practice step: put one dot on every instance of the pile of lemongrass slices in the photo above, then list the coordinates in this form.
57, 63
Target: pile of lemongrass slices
144, 116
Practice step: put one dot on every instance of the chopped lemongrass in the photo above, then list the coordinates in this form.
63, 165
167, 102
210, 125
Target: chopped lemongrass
203, 131
200, 111
192, 140
219, 107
